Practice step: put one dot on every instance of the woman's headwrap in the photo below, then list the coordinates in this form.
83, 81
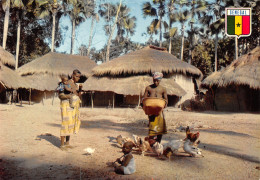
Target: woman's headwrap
157, 75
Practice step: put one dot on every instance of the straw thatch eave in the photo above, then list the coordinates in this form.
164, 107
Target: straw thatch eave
134, 85
6, 57
57, 64
11, 79
43, 82
243, 71
146, 61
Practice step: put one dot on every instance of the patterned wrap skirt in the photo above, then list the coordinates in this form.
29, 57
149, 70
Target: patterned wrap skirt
157, 125
70, 122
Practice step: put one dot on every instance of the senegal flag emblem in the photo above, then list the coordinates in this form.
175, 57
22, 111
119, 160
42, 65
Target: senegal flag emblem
238, 22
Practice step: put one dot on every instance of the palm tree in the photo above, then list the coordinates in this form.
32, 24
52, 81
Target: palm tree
89, 11
19, 8
172, 31
196, 7
125, 24
156, 12
6, 8
108, 12
214, 19
129, 26
43, 9
75, 10
113, 29
182, 17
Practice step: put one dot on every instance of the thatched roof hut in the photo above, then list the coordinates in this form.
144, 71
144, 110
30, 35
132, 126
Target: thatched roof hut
57, 64
11, 79
243, 71
237, 87
146, 61
6, 57
134, 85
128, 75
43, 82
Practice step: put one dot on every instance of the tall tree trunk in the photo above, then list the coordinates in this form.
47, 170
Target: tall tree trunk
73, 36
6, 23
111, 34
90, 35
191, 28
170, 43
236, 48
160, 28
182, 41
216, 52
53, 31
18, 43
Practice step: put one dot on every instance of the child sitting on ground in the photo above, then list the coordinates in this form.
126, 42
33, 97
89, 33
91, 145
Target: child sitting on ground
128, 163
65, 91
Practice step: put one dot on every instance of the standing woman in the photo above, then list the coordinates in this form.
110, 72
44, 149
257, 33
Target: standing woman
70, 122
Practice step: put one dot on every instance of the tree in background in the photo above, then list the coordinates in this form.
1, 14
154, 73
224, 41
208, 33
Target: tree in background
20, 10
43, 9
171, 31
75, 10
6, 8
181, 17
90, 6
214, 19
36, 31
125, 24
157, 13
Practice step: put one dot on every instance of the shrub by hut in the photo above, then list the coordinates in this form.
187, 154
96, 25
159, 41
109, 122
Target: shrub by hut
237, 87
44, 72
144, 62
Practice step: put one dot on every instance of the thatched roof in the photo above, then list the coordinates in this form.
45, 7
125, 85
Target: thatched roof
146, 61
134, 85
11, 79
243, 71
6, 57
43, 81
57, 64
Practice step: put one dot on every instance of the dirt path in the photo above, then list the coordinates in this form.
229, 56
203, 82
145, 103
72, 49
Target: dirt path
30, 142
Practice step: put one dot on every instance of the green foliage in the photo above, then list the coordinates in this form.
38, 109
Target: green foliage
34, 34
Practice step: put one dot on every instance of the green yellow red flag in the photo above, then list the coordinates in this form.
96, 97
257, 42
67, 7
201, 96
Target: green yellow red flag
238, 21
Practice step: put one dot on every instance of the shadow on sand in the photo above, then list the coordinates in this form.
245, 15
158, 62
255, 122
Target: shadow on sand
50, 138
228, 152
231, 133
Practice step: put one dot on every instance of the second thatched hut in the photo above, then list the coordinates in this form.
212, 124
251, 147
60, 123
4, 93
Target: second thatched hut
237, 87
126, 77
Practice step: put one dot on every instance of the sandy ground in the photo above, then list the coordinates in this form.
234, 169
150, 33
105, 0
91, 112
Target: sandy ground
29, 139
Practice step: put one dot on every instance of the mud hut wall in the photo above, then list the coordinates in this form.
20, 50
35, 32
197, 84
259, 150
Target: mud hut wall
3, 94
86, 99
186, 83
103, 98
254, 96
237, 99
131, 100
37, 96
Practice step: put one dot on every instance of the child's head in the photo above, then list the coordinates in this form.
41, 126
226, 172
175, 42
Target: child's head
127, 147
64, 79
